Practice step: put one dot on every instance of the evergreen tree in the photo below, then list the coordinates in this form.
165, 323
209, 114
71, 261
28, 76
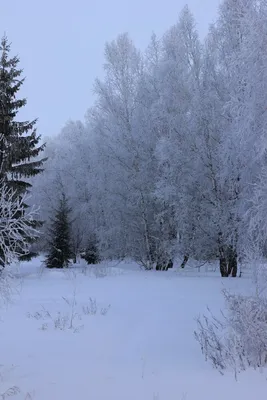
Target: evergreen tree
60, 244
91, 254
19, 142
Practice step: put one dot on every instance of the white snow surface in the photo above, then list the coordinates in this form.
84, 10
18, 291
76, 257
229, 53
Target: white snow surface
142, 348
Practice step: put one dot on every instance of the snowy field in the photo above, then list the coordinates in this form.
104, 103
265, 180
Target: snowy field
120, 334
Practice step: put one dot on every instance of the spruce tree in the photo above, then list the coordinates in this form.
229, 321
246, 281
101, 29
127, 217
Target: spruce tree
59, 242
19, 142
91, 254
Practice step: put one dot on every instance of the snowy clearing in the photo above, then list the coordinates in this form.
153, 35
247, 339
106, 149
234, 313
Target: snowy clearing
120, 334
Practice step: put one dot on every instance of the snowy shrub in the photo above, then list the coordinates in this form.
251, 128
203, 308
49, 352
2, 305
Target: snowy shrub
13, 391
90, 308
239, 339
59, 321
17, 226
93, 308
259, 271
68, 320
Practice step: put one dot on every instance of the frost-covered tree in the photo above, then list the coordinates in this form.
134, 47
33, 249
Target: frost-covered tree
252, 122
15, 225
60, 251
126, 129
238, 81
120, 148
179, 77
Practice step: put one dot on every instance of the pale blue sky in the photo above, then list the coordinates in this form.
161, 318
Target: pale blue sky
61, 42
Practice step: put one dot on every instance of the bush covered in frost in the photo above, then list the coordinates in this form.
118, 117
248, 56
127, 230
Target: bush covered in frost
238, 339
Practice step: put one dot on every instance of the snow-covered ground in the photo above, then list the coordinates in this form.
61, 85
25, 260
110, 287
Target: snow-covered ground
132, 341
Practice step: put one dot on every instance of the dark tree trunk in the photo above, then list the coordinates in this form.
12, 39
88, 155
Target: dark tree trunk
159, 267
234, 270
223, 263
186, 258
232, 262
164, 264
223, 267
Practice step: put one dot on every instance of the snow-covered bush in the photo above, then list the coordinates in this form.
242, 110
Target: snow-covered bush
70, 318
17, 229
237, 340
92, 308
16, 225
12, 392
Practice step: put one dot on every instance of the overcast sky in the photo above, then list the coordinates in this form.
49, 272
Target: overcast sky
61, 42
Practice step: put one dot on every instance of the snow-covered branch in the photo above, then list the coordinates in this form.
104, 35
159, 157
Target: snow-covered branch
16, 224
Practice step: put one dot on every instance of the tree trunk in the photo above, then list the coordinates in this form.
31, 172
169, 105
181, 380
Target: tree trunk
232, 262
161, 264
223, 263
146, 237
159, 267
186, 258
223, 267
164, 263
